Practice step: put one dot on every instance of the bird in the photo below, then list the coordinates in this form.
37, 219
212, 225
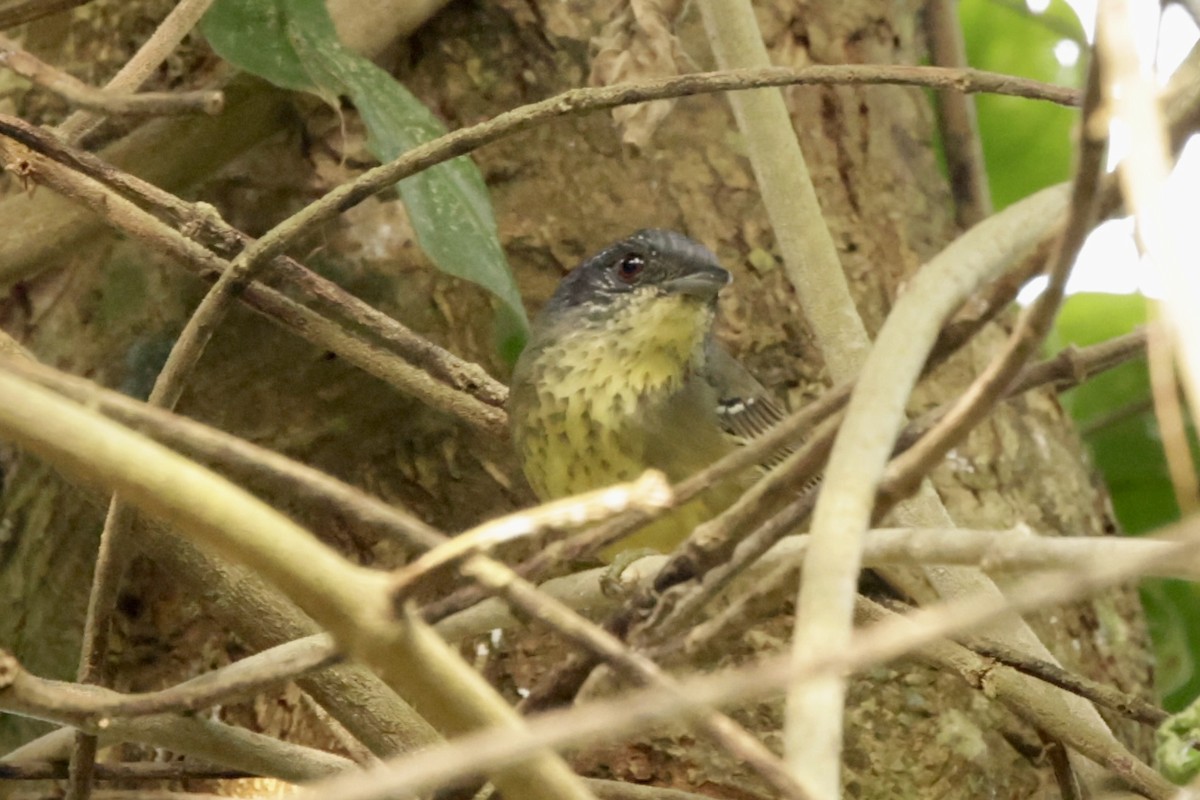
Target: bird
622, 374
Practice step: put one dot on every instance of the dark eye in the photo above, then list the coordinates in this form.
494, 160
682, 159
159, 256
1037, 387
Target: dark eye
630, 266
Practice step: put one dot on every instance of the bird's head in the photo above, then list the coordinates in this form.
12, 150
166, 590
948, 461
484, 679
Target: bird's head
650, 262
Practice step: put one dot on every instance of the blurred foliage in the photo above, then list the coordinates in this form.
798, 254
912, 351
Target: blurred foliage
1114, 415
293, 44
1027, 145
1175, 746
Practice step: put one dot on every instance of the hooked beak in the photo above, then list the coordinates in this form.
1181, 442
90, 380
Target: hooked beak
703, 283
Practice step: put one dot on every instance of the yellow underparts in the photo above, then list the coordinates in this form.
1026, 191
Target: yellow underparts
597, 413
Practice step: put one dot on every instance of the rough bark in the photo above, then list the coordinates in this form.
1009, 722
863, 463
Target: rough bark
560, 192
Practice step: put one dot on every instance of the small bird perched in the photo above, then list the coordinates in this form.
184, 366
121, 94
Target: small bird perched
622, 374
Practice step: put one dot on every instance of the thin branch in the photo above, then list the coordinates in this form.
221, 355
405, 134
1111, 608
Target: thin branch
1127, 705
153, 794
810, 258
859, 456
242, 458
960, 130
735, 739
1143, 176
634, 711
1116, 416
620, 790
1172, 426
107, 101
18, 12
112, 559
322, 332
730, 527
1067, 369
205, 225
212, 741
580, 101
650, 491
150, 55
682, 604
495, 576
94, 710
1069, 785
907, 471
1015, 550
351, 601
82, 766
126, 771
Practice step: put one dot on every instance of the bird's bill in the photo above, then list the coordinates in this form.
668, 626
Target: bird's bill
703, 283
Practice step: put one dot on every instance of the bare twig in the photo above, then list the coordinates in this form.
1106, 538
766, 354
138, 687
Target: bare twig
611, 650
128, 771
651, 491
620, 790
960, 131
883, 641
94, 710
810, 257
82, 766
206, 226
579, 101
1069, 785
154, 51
1116, 416
495, 576
351, 601
1128, 705
1172, 427
906, 471
18, 12
152, 794
106, 101
207, 739
1143, 174
874, 414
373, 359
1016, 550
242, 458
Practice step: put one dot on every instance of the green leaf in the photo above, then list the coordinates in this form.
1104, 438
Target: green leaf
1128, 453
1175, 746
1122, 438
1027, 144
251, 36
1170, 607
448, 204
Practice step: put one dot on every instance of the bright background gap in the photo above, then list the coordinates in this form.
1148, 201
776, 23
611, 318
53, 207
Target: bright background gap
1109, 261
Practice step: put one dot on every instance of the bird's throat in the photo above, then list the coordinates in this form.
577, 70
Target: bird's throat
595, 384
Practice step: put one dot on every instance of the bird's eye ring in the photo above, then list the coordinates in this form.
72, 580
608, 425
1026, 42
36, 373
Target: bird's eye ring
630, 267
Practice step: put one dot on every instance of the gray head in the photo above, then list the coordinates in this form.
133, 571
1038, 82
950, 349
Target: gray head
651, 259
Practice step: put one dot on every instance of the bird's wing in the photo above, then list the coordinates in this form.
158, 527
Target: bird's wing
744, 408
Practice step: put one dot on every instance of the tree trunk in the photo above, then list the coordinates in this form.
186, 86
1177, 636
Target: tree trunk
561, 191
